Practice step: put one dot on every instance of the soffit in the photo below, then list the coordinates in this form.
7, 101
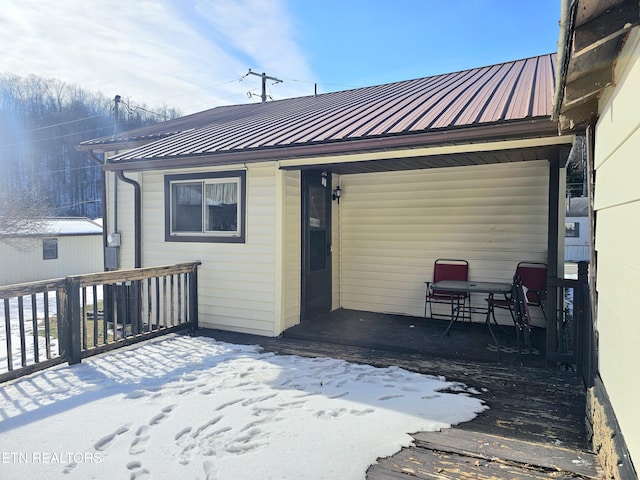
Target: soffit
597, 30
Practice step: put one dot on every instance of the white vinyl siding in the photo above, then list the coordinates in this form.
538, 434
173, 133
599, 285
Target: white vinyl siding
617, 206
292, 246
236, 282
76, 254
335, 249
395, 224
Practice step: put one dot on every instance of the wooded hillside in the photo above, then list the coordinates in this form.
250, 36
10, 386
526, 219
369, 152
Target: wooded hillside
41, 122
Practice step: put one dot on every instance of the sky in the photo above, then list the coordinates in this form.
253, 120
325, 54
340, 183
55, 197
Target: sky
194, 408
195, 54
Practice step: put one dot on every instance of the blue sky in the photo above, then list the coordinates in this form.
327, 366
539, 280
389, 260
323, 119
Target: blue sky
194, 54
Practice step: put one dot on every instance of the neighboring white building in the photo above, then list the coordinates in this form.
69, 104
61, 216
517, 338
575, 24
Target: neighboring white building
64, 246
577, 233
598, 94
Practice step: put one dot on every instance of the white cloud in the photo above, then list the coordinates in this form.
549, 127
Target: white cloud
189, 55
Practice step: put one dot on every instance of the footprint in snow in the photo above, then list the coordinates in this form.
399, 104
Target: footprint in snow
139, 444
360, 413
210, 471
390, 397
162, 415
106, 441
137, 472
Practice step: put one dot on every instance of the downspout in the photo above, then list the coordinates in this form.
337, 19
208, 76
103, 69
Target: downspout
137, 202
103, 186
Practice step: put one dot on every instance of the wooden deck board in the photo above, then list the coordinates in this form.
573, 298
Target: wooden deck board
547, 456
430, 464
534, 427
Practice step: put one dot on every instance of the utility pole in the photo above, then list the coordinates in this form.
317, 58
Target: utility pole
264, 82
116, 113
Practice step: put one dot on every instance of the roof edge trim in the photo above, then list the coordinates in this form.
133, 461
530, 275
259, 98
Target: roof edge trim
531, 128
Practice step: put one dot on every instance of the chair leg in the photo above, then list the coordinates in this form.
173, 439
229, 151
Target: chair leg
544, 312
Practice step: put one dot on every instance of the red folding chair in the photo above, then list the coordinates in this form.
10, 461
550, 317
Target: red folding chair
533, 276
521, 310
447, 269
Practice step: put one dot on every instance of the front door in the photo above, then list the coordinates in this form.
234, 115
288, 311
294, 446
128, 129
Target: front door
316, 243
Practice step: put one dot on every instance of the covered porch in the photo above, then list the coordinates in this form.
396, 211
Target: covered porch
466, 341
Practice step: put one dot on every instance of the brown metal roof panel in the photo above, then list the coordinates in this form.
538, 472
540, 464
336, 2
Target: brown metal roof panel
467, 99
218, 136
364, 110
545, 87
446, 100
374, 111
485, 97
272, 122
430, 107
403, 105
275, 126
520, 104
496, 109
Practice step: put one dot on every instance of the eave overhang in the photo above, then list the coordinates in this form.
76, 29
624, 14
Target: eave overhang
592, 34
469, 141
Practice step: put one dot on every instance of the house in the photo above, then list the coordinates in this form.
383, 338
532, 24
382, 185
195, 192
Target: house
577, 231
597, 94
57, 247
345, 200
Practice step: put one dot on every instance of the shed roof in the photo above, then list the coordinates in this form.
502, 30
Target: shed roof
508, 100
62, 226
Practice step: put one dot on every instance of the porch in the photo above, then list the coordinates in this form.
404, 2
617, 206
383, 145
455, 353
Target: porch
467, 341
534, 427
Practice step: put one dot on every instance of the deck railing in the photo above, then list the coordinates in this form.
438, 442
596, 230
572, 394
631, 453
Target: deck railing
570, 331
65, 320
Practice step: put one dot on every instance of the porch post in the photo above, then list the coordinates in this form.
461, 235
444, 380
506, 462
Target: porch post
552, 254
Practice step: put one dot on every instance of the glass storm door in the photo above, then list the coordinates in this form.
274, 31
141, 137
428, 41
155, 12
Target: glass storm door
316, 244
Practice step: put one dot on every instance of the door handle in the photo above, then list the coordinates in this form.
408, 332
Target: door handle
329, 249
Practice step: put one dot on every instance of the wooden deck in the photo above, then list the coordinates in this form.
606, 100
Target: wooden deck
534, 427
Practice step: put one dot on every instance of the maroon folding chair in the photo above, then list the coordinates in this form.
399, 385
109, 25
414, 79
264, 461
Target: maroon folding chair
447, 269
533, 276
521, 312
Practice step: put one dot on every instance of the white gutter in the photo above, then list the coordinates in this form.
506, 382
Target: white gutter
567, 18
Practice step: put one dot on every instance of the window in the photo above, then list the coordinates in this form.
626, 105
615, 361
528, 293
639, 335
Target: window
572, 230
207, 207
49, 248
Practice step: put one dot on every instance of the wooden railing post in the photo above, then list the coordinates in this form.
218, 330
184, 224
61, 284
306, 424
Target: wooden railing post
584, 326
62, 307
73, 319
193, 297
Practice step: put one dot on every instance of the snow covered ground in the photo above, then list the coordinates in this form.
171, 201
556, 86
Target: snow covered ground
194, 408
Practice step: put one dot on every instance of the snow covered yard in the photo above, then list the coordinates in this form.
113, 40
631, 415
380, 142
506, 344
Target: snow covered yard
189, 408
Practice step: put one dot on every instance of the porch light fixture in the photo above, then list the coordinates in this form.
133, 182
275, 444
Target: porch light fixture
337, 193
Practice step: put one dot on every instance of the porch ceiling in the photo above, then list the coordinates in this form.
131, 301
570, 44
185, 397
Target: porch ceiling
441, 161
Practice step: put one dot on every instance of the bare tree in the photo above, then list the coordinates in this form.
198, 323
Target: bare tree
23, 215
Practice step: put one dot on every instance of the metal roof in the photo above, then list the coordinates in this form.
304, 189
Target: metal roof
497, 95
61, 226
